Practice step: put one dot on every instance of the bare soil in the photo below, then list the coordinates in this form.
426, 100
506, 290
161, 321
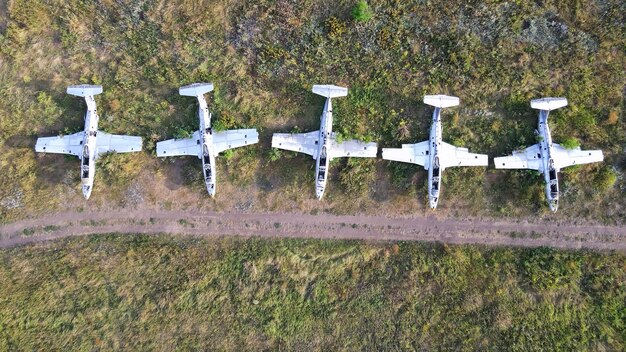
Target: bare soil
320, 226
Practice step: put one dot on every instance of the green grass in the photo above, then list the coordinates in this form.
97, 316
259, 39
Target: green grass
570, 143
158, 292
362, 12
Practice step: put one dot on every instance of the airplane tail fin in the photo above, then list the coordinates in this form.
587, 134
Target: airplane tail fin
84, 90
548, 103
196, 89
441, 101
330, 91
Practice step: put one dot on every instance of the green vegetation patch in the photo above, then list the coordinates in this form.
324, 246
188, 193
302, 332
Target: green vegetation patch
362, 12
158, 292
570, 143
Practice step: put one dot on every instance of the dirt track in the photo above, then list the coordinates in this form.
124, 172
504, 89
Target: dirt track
418, 228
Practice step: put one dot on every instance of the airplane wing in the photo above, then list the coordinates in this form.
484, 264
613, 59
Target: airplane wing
117, 143
567, 157
298, 142
183, 146
529, 158
450, 155
230, 139
70, 144
353, 148
409, 153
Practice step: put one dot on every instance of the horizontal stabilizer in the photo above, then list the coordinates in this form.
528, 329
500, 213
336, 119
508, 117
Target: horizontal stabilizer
548, 103
84, 90
196, 89
330, 91
441, 101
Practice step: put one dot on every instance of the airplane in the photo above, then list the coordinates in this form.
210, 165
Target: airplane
90, 143
545, 156
322, 145
434, 154
205, 143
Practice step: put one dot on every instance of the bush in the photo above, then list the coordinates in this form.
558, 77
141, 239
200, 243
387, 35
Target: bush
274, 154
605, 179
181, 133
570, 143
228, 154
362, 12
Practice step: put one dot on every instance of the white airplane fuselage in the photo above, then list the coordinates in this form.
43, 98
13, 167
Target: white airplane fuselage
206, 140
321, 165
88, 154
434, 170
547, 163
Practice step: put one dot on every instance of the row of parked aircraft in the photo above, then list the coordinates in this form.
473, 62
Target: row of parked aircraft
433, 154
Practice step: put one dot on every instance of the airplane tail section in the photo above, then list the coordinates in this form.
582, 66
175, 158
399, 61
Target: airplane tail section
548, 103
84, 90
330, 91
196, 89
441, 101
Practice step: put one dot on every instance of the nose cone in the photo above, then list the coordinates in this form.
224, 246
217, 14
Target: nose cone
433, 202
210, 187
554, 205
319, 192
87, 191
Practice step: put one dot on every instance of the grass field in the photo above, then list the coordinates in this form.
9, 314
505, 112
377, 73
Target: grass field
160, 292
263, 57
141, 292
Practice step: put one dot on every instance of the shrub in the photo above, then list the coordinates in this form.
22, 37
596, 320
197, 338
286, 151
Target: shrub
606, 178
181, 133
570, 143
228, 154
274, 154
362, 12
218, 125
